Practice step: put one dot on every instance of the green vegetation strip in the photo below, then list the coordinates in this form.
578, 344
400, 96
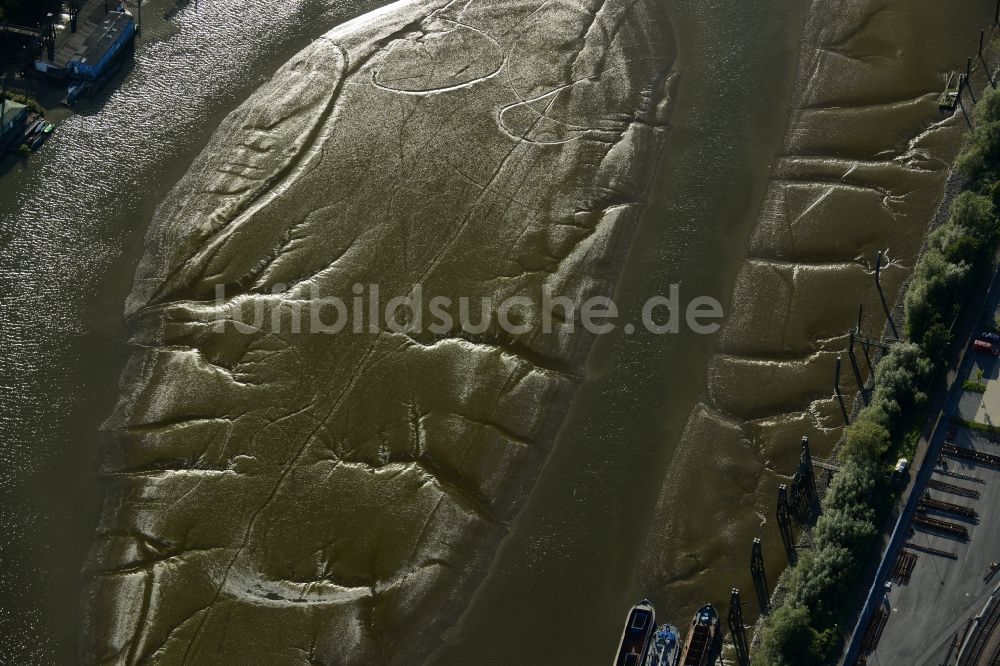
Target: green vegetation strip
27, 101
975, 387
975, 425
807, 628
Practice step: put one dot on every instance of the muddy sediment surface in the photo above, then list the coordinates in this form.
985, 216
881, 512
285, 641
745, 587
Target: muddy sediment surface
865, 158
283, 495
288, 497
72, 217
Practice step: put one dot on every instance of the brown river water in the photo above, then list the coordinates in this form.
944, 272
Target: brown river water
667, 463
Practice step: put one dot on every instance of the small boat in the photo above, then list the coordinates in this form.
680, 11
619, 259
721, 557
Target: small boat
48, 129
39, 140
701, 637
73, 93
636, 635
666, 648
35, 128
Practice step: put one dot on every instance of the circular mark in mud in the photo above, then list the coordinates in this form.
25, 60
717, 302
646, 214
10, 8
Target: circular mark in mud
440, 56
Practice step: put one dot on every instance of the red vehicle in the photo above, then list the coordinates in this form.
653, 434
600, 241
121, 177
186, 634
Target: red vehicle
985, 347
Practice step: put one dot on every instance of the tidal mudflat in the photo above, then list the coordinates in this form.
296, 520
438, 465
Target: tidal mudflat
72, 219
284, 498
287, 497
862, 169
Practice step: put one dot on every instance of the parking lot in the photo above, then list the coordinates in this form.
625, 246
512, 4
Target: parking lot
931, 611
943, 604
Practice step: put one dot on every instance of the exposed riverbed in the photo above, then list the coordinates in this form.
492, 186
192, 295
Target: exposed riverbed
861, 169
621, 510
72, 221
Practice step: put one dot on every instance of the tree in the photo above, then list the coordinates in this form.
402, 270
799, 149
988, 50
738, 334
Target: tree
853, 486
936, 341
979, 158
973, 216
789, 639
971, 229
900, 378
867, 440
988, 109
933, 294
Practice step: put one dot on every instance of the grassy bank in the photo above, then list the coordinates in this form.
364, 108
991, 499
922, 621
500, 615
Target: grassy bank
807, 629
27, 101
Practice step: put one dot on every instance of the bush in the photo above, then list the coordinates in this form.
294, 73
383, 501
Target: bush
967, 239
867, 439
793, 641
843, 535
898, 381
976, 425
978, 160
932, 297
33, 105
937, 340
970, 234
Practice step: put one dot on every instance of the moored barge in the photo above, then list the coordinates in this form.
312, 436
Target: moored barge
636, 635
701, 637
666, 647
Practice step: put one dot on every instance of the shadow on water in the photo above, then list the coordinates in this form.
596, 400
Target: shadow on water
11, 161
177, 8
94, 102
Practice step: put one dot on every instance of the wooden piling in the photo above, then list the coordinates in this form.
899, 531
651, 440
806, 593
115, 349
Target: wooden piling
785, 523
968, 84
50, 37
982, 58
881, 294
840, 396
968, 120
738, 629
856, 368
759, 577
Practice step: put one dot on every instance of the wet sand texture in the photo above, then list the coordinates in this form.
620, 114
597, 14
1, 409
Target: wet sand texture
283, 498
864, 161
